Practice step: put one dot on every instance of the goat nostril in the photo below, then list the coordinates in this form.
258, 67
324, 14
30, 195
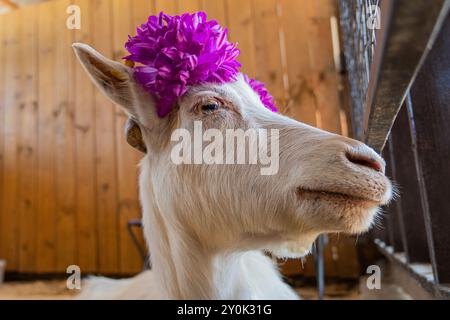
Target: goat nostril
364, 161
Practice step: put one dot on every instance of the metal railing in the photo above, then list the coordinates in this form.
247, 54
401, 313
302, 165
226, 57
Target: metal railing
400, 108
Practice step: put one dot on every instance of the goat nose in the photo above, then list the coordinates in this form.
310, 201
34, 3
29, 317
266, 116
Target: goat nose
361, 157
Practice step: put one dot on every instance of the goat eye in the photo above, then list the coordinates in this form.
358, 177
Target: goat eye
210, 106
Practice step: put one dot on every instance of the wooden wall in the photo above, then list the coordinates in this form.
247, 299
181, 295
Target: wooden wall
68, 180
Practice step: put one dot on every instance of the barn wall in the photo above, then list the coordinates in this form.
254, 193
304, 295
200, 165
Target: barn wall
68, 180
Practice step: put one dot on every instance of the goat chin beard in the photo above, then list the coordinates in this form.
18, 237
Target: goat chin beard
293, 249
290, 250
360, 222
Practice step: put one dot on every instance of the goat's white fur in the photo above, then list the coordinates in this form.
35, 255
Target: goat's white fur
207, 226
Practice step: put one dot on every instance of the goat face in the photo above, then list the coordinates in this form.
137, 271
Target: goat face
322, 182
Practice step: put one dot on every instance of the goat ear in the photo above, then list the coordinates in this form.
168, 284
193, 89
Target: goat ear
111, 77
134, 135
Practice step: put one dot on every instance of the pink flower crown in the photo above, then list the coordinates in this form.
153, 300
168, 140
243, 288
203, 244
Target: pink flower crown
176, 52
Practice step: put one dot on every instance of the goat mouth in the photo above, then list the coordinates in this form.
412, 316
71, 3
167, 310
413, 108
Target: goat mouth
317, 195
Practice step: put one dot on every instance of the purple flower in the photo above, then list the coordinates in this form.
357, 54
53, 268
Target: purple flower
176, 52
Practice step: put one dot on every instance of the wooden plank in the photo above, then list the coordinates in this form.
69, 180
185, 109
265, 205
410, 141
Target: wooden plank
86, 199
9, 221
12, 146
414, 279
409, 30
355, 44
166, 6
46, 237
319, 103
3, 47
345, 256
28, 132
308, 266
429, 119
290, 267
137, 16
127, 157
105, 149
302, 102
140, 10
268, 50
240, 26
340, 252
320, 46
9, 3
215, 10
408, 204
190, 6
330, 254
324, 75
87, 149
64, 115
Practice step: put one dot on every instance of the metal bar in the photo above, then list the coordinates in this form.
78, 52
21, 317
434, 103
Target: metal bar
413, 279
408, 31
319, 264
400, 236
383, 232
394, 232
429, 118
145, 256
429, 124
408, 204
359, 38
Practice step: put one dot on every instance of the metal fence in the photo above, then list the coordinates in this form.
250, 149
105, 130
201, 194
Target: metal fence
399, 75
359, 22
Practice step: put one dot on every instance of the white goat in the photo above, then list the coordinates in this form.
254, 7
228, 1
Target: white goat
206, 226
